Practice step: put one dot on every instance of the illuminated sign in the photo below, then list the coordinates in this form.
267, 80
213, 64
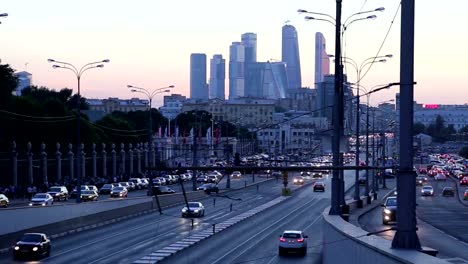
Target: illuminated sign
431, 106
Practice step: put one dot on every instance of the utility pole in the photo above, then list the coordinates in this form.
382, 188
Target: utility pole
406, 236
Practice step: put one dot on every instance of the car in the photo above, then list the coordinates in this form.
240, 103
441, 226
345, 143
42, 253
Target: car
41, 199
89, 195
448, 191
74, 192
389, 210
162, 190
276, 174
59, 193
465, 195
319, 186
202, 179
212, 179
420, 180
298, 180
116, 184
126, 185
32, 245
159, 181
317, 175
93, 188
292, 241
138, 183
236, 175
119, 192
209, 188
169, 179
464, 181
427, 190
305, 173
106, 188
4, 201
144, 183
440, 177
132, 186
193, 209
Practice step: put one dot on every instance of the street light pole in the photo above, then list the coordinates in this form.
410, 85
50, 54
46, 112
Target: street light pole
79, 147
150, 94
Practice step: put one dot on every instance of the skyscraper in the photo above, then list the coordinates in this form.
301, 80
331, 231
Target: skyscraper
217, 76
268, 80
322, 62
236, 70
290, 55
198, 87
249, 41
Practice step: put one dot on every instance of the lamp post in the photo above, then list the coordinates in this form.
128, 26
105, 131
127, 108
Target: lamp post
150, 94
337, 193
78, 74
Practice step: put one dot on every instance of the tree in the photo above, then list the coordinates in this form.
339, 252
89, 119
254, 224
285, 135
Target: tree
419, 128
8, 83
464, 152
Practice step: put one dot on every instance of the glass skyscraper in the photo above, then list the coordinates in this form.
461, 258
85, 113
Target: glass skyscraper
290, 55
198, 86
249, 41
236, 70
217, 76
322, 62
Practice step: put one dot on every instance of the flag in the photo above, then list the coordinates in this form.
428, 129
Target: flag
159, 132
217, 135
192, 136
208, 136
166, 132
177, 135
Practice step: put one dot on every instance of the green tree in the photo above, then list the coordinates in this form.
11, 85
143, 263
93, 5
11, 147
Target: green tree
8, 83
419, 128
464, 152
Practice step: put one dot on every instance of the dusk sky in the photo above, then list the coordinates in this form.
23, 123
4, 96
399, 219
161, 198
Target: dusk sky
149, 42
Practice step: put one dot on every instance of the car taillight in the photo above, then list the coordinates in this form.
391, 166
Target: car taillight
282, 240
300, 240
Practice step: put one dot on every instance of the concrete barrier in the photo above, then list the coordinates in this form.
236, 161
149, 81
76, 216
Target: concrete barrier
346, 243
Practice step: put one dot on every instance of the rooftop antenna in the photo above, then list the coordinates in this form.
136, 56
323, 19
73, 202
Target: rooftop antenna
286, 22
26, 67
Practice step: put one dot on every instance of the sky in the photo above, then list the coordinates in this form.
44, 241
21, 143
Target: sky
149, 42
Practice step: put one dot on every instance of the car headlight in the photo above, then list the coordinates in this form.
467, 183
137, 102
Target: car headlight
196, 210
35, 248
57, 194
30, 204
386, 211
184, 210
43, 204
16, 247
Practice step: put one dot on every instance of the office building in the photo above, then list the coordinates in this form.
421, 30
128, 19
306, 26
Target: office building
24, 81
290, 55
236, 70
322, 61
249, 41
217, 77
198, 86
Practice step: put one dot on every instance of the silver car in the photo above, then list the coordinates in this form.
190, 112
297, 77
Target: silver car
292, 241
42, 199
427, 190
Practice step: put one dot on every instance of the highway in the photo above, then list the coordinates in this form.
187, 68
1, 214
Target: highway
437, 216
131, 239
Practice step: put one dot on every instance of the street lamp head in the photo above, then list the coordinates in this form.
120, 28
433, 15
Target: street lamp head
382, 60
100, 66
171, 86
309, 18
389, 56
301, 11
380, 9
106, 60
166, 91
3, 15
371, 17
129, 86
50, 60
56, 66
134, 90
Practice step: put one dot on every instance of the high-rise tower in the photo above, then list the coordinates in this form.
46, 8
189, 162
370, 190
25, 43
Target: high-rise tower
249, 41
236, 70
290, 55
198, 87
217, 76
322, 61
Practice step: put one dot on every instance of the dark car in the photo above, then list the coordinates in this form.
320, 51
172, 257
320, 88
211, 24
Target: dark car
319, 186
420, 180
194, 209
202, 179
162, 190
74, 192
89, 195
389, 210
106, 188
32, 245
448, 191
362, 180
209, 188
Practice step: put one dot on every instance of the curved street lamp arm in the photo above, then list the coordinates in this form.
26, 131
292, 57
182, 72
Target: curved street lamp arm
160, 90
345, 26
65, 63
73, 69
90, 67
374, 59
315, 13
380, 9
319, 19
92, 63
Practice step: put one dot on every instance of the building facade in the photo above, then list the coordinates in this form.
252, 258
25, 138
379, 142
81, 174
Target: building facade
290, 55
172, 105
217, 77
24, 80
198, 86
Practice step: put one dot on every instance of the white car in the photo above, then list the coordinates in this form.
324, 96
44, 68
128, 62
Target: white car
42, 199
236, 174
194, 209
292, 240
440, 177
427, 190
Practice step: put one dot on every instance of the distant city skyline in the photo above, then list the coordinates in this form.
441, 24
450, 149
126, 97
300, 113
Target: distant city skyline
149, 43
291, 56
